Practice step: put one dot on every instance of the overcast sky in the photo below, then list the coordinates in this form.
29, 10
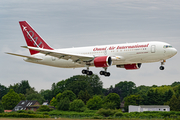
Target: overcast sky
75, 23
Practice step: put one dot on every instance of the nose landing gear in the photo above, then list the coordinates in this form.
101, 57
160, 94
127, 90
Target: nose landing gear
162, 63
161, 67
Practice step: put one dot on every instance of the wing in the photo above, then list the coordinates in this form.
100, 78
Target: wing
30, 57
63, 55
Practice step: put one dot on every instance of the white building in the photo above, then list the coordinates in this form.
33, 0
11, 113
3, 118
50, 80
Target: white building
143, 108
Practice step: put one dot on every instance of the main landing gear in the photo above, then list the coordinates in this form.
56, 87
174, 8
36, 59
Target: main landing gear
87, 72
105, 73
162, 63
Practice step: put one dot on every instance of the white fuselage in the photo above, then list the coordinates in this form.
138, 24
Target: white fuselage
128, 53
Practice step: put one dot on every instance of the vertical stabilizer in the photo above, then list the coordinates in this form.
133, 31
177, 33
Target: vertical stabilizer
32, 38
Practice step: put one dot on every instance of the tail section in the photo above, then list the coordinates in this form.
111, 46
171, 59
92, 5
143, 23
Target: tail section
32, 38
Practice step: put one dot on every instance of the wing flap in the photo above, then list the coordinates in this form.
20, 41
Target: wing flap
62, 55
30, 57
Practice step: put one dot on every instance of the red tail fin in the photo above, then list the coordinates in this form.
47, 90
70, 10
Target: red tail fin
32, 38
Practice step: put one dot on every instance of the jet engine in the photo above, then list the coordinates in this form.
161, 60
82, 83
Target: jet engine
130, 66
103, 61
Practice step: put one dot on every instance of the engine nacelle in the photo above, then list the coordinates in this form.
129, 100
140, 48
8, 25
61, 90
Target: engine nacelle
130, 66
103, 61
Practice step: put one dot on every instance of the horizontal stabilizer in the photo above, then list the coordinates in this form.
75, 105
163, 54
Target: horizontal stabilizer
30, 57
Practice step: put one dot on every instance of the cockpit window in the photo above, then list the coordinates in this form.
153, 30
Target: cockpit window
167, 46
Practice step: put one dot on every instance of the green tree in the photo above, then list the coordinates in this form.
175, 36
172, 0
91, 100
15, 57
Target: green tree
132, 100
53, 89
47, 94
22, 96
30, 91
3, 91
36, 96
153, 98
58, 97
10, 100
167, 95
66, 94
1, 107
20, 87
77, 83
126, 88
174, 104
175, 84
63, 104
95, 84
158, 95
177, 90
113, 90
15, 87
113, 98
59, 87
94, 103
23, 86
142, 90
77, 105
53, 102
84, 96
77, 86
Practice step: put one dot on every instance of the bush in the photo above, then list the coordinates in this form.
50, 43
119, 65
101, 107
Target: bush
24, 111
77, 105
70, 114
21, 111
118, 114
90, 111
95, 103
106, 112
44, 108
23, 115
111, 99
31, 112
109, 105
63, 104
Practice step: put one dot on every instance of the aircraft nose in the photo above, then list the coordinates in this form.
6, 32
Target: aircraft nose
174, 51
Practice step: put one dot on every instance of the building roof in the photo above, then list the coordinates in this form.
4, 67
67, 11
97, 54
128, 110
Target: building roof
154, 106
45, 102
7, 110
23, 104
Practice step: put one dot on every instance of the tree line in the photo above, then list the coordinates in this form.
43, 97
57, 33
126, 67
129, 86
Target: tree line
88, 92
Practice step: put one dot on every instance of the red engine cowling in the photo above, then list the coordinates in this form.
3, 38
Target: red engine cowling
130, 66
103, 61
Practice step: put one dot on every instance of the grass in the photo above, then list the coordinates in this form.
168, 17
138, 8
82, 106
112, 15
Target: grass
69, 119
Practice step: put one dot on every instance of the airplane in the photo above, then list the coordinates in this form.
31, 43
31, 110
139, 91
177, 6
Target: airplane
129, 55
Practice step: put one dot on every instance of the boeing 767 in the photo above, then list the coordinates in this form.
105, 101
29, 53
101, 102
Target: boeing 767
129, 56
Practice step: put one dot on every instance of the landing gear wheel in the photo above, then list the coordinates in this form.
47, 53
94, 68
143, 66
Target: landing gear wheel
101, 72
161, 67
107, 74
89, 73
84, 71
